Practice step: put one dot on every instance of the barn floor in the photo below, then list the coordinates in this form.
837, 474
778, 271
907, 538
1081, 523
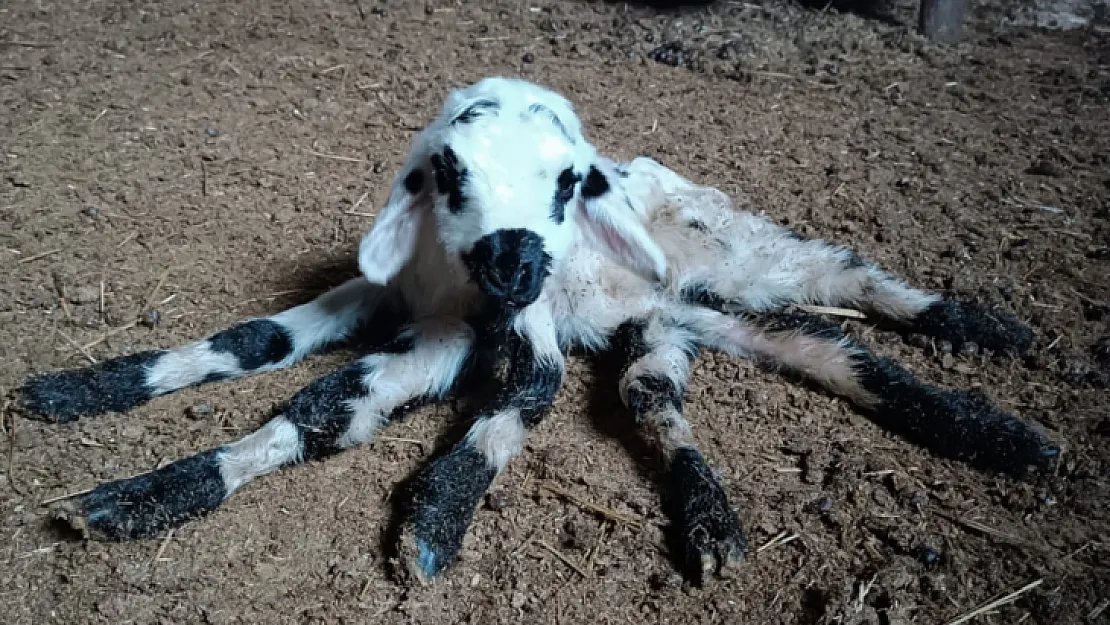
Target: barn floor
211, 161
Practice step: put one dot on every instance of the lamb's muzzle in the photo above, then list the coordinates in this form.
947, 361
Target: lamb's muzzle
509, 266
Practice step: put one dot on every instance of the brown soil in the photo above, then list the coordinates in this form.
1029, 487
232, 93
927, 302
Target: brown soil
175, 153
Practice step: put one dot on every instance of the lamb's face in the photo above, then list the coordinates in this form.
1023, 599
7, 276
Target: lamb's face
508, 182
505, 186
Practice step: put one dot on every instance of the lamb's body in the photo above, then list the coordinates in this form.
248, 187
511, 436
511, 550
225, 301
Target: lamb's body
630, 258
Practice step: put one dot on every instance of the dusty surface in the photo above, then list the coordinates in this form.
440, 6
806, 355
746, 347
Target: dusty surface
172, 152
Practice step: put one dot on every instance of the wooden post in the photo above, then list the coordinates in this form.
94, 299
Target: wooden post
942, 20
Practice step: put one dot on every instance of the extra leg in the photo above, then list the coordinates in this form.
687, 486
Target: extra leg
657, 356
813, 272
965, 426
446, 493
252, 346
336, 412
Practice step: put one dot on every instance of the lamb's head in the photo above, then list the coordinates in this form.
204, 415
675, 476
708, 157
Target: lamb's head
510, 184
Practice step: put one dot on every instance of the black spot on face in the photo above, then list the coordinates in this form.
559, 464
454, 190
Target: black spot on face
563, 194
596, 184
476, 110
509, 265
255, 343
114, 385
449, 178
414, 182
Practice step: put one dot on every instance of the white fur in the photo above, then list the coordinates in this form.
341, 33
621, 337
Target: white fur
499, 438
188, 365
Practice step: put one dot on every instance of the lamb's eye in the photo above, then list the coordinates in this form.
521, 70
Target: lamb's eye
566, 182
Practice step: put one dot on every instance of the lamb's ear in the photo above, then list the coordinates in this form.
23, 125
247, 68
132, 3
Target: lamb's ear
610, 219
391, 241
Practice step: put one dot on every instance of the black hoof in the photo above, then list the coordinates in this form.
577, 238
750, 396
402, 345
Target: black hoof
147, 505
709, 532
445, 496
961, 425
969, 322
114, 385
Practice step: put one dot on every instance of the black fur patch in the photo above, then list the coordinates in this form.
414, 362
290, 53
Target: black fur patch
800, 321
255, 343
627, 342
854, 260
509, 266
446, 494
450, 177
697, 224
115, 385
595, 185
539, 108
703, 295
474, 111
320, 409
794, 234
563, 194
414, 181
532, 383
654, 393
216, 376
962, 425
147, 505
704, 521
967, 322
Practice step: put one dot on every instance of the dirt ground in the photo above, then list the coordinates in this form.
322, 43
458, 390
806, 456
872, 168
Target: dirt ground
188, 164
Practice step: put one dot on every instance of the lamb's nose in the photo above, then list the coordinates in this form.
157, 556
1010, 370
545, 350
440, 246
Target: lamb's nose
509, 265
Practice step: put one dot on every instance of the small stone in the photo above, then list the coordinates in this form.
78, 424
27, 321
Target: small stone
969, 349
518, 600
212, 132
90, 211
429, 9
1045, 168
199, 410
84, 294
499, 500
151, 318
928, 556
529, 57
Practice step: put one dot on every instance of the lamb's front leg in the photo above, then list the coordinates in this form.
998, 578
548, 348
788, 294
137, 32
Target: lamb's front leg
655, 356
336, 412
446, 493
250, 347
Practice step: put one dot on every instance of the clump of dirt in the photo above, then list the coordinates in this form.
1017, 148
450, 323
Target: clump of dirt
170, 168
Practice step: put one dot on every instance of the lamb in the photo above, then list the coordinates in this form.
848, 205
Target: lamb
507, 242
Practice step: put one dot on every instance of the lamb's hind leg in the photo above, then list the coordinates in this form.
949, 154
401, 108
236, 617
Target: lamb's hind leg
656, 355
336, 412
815, 272
252, 346
962, 425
